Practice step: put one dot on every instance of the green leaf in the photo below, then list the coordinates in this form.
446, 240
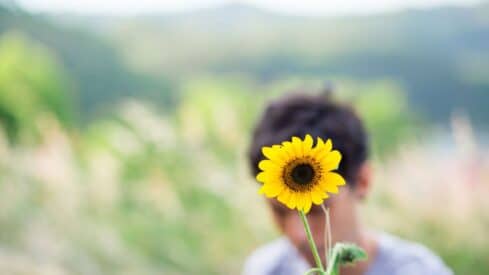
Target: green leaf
344, 254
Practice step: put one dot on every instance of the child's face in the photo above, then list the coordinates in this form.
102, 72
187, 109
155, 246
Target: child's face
343, 222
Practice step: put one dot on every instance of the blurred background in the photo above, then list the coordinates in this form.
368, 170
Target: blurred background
124, 125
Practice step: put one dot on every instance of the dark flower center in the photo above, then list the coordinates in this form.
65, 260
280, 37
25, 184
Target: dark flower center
302, 174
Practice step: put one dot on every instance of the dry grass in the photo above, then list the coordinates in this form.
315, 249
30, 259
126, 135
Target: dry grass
145, 195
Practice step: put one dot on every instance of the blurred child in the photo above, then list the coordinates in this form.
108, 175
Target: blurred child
319, 116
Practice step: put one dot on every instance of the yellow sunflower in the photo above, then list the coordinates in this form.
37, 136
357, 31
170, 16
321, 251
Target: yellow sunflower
299, 174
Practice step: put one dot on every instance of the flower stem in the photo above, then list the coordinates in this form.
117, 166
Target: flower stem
327, 232
312, 271
314, 250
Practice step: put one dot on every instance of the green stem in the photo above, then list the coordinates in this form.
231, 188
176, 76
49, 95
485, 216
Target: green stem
314, 250
312, 271
333, 263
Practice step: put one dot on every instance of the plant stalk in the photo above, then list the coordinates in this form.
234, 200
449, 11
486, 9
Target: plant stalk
314, 250
327, 232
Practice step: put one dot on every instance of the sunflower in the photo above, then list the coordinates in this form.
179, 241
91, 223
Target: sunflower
298, 174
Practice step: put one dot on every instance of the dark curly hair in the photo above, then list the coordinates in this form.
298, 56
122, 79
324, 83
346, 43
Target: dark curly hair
318, 115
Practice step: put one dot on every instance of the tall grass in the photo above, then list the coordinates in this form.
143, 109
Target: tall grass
149, 194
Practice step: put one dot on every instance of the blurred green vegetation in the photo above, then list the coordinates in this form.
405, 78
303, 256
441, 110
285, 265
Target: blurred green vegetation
154, 180
438, 56
97, 73
32, 84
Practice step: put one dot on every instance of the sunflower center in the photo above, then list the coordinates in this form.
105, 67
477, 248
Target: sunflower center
302, 174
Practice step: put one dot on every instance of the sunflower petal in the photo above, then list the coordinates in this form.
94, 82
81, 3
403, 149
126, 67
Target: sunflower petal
318, 196
307, 145
307, 204
292, 202
271, 190
335, 178
261, 177
330, 188
288, 149
297, 145
331, 161
320, 154
331, 181
281, 153
287, 145
272, 153
284, 196
319, 143
323, 150
318, 148
268, 165
328, 145
300, 201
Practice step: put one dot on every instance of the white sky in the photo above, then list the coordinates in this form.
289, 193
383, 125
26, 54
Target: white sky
296, 7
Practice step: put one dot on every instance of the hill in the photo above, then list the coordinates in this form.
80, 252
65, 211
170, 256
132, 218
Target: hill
96, 70
439, 56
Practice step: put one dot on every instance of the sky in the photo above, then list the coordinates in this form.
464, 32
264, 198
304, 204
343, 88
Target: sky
292, 7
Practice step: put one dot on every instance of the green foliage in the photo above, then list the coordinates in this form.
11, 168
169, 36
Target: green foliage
389, 119
344, 254
216, 111
437, 55
32, 85
99, 78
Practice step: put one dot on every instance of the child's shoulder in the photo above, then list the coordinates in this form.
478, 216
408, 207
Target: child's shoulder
269, 257
399, 256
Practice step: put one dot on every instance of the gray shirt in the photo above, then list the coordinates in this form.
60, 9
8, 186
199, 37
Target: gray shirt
394, 257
